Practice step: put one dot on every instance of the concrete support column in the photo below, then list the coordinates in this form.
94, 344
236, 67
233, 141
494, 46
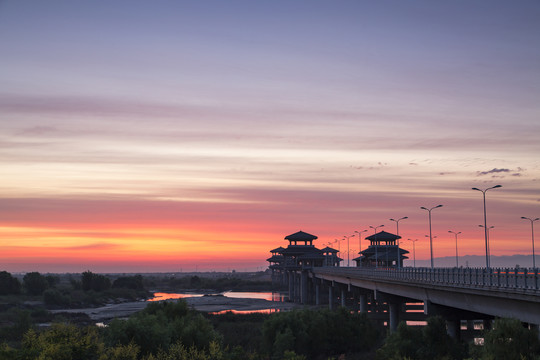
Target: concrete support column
343, 297
363, 303
393, 314
487, 324
317, 295
330, 296
304, 287
452, 328
290, 281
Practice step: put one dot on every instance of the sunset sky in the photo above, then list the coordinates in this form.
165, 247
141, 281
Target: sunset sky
195, 135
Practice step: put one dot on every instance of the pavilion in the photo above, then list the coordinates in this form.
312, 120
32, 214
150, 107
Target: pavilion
383, 251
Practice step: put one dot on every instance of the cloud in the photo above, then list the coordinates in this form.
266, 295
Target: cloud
493, 171
95, 246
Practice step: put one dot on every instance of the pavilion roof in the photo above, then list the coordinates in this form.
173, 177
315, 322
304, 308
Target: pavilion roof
383, 236
329, 250
311, 256
276, 258
279, 249
300, 236
299, 249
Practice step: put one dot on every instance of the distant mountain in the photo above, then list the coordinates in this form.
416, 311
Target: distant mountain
506, 261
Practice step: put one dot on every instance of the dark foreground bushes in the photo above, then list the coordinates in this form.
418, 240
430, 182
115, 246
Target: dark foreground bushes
318, 333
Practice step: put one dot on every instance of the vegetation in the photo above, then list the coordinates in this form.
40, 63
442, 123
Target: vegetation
427, 342
318, 333
34, 283
9, 284
235, 282
509, 340
172, 331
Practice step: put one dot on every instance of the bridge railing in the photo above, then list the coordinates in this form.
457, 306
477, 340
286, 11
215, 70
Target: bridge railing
502, 278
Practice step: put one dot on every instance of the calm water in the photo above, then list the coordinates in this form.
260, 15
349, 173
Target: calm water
270, 296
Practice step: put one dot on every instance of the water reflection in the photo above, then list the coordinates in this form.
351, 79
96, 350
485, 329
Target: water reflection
270, 296
159, 296
264, 311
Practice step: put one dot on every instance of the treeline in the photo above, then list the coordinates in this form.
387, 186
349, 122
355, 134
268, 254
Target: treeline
172, 331
88, 289
195, 282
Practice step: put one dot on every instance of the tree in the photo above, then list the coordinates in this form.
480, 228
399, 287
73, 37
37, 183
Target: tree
425, 343
96, 282
160, 325
9, 284
61, 342
129, 282
402, 343
509, 340
35, 283
321, 332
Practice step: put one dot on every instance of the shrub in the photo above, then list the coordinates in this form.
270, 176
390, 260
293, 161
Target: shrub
314, 333
35, 283
55, 298
9, 284
96, 282
509, 340
129, 282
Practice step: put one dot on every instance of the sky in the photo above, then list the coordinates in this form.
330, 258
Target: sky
157, 136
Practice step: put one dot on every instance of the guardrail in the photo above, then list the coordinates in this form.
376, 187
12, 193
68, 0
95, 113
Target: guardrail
498, 278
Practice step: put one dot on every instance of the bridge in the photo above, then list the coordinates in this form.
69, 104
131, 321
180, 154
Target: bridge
457, 294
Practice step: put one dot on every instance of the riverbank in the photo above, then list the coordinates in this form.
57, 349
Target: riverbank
207, 303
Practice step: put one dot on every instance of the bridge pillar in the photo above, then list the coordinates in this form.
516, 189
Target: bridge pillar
343, 303
453, 328
304, 287
330, 295
290, 281
363, 303
317, 292
393, 312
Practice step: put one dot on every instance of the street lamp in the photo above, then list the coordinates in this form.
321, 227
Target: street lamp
376, 244
397, 233
489, 245
430, 234
414, 250
360, 243
339, 246
456, 234
348, 250
486, 237
532, 235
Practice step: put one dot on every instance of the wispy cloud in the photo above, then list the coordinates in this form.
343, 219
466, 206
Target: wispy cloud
95, 246
493, 171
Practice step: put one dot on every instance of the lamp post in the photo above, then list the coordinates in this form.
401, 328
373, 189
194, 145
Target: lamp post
339, 249
489, 245
532, 236
348, 250
339, 246
360, 243
376, 244
486, 236
456, 234
398, 261
414, 250
430, 234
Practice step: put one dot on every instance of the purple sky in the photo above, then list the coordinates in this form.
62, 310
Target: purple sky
262, 118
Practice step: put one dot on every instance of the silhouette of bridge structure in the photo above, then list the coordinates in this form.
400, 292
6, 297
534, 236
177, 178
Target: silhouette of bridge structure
463, 296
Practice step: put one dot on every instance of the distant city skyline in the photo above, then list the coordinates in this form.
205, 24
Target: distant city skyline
174, 135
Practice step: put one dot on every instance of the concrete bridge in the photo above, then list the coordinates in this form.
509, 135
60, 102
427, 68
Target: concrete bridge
457, 294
